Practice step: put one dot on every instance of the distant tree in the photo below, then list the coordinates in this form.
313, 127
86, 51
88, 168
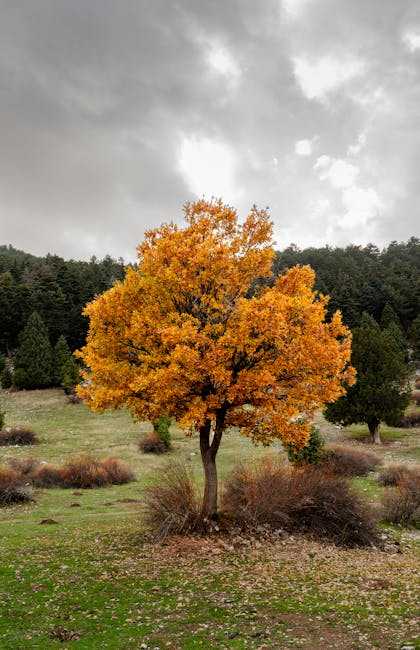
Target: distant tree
62, 355
184, 335
33, 365
389, 316
381, 392
414, 336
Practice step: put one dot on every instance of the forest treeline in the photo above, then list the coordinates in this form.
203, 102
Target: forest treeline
358, 279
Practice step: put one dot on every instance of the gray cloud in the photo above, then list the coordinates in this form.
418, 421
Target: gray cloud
115, 113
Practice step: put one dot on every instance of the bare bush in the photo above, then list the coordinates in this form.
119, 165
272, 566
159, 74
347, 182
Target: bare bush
24, 466
20, 435
395, 474
347, 461
409, 420
117, 472
303, 500
13, 487
401, 504
172, 505
47, 476
152, 444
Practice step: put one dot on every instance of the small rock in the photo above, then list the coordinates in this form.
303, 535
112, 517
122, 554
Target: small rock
47, 522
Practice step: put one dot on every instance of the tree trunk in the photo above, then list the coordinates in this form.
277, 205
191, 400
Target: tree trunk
374, 427
208, 457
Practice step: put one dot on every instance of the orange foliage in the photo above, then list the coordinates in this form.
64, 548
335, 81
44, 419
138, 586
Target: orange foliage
189, 334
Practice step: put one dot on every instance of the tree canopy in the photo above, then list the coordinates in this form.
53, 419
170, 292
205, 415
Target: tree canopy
381, 393
185, 335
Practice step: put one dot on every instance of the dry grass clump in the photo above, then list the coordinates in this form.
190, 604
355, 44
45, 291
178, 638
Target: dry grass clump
47, 475
409, 420
13, 487
24, 466
393, 475
117, 472
347, 461
172, 504
20, 435
304, 500
152, 444
401, 504
83, 472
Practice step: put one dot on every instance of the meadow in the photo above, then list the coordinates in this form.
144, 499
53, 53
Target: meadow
92, 578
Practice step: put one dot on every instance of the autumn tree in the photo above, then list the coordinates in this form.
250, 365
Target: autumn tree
183, 335
381, 392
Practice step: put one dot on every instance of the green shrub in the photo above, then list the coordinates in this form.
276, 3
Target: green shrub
161, 427
311, 454
20, 379
6, 377
2, 363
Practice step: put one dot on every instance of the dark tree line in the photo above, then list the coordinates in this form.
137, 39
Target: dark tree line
364, 279
55, 288
358, 279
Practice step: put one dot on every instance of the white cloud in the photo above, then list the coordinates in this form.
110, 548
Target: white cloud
303, 147
295, 8
338, 172
355, 149
361, 205
411, 40
222, 62
208, 168
318, 78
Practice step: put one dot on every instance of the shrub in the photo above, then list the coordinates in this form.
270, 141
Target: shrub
172, 505
47, 476
161, 427
409, 420
348, 461
13, 488
83, 472
117, 472
302, 499
415, 396
152, 444
24, 466
395, 474
20, 379
311, 454
6, 377
18, 436
73, 398
401, 504
2, 418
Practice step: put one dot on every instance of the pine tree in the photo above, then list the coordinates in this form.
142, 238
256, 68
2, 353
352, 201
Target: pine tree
389, 316
381, 392
34, 358
414, 335
61, 355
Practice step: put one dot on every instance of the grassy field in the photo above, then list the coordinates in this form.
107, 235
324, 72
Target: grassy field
93, 580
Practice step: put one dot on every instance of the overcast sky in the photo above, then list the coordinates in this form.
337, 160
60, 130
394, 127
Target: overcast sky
113, 113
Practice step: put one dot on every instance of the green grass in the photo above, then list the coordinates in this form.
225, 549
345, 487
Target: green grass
95, 574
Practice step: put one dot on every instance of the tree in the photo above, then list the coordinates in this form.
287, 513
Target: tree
183, 335
389, 316
381, 392
414, 335
33, 365
62, 358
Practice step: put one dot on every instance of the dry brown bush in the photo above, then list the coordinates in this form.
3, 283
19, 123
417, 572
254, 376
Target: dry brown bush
305, 500
13, 487
172, 505
393, 475
344, 460
47, 475
117, 472
401, 504
152, 444
20, 435
24, 466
